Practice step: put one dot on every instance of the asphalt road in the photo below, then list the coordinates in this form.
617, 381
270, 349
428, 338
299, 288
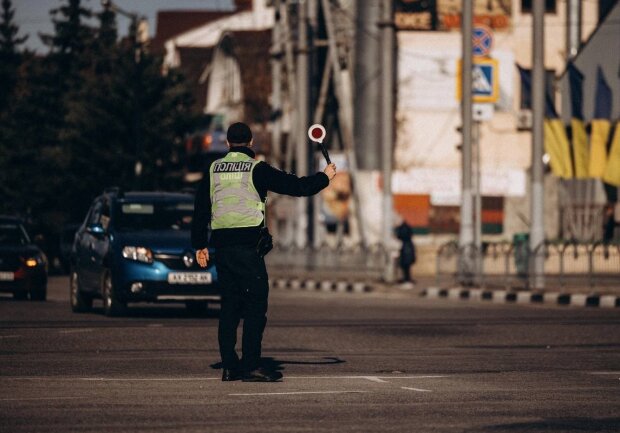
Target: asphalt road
352, 363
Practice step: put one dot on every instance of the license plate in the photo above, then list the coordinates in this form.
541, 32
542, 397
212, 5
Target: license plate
7, 276
189, 278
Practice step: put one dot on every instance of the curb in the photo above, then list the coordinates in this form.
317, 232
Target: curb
509, 296
321, 286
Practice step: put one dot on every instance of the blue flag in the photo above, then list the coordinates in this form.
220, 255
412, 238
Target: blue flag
603, 101
601, 127
575, 79
526, 94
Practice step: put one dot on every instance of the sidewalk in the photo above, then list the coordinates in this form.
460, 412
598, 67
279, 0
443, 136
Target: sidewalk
361, 273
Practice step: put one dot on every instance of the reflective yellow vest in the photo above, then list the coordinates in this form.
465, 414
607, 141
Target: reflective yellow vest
235, 202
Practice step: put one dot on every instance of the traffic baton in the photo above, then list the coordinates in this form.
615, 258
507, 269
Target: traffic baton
317, 134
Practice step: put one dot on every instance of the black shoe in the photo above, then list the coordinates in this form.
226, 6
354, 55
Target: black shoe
228, 375
262, 375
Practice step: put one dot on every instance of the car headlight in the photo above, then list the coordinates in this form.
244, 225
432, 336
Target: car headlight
140, 254
35, 260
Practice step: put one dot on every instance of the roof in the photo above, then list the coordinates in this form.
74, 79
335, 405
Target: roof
174, 22
209, 34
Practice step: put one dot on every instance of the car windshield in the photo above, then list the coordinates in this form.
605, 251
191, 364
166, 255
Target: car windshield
13, 234
156, 215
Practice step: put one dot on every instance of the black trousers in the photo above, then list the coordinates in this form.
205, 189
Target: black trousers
244, 285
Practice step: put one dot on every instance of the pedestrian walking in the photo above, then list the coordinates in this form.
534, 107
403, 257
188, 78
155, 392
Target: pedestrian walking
407, 257
231, 200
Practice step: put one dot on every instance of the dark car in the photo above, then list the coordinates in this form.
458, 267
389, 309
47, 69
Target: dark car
136, 247
23, 266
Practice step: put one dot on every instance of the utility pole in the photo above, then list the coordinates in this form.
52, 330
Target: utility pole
276, 85
537, 230
368, 82
466, 235
573, 27
387, 128
302, 110
291, 84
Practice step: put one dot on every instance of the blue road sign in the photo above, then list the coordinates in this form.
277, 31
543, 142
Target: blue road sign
485, 80
482, 39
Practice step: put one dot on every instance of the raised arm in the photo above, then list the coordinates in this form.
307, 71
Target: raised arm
280, 182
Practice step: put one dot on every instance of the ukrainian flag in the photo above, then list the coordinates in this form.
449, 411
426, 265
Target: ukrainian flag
601, 127
556, 140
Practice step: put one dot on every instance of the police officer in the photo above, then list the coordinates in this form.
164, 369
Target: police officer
231, 198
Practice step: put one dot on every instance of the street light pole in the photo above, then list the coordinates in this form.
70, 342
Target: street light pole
537, 232
302, 110
387, 128
466, 235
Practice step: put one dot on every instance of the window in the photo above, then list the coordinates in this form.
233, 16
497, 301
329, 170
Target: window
526, 6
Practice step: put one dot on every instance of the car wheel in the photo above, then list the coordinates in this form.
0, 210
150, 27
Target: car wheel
111, 305
38, 293
80, 302
197, 308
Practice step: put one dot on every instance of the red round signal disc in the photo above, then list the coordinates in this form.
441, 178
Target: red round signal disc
316, 133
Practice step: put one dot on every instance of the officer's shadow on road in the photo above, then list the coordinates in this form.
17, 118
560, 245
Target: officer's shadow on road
278, 364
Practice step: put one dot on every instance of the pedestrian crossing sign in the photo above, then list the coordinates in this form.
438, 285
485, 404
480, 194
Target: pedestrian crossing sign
485, 80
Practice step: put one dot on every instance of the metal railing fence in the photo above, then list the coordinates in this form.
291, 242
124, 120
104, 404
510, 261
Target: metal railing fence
510, 265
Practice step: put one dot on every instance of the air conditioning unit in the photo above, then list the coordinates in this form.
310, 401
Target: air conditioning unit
524, 120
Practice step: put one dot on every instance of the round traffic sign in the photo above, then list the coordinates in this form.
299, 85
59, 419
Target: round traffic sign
316, 133
482, 39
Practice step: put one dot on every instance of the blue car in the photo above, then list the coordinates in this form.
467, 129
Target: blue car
136, 247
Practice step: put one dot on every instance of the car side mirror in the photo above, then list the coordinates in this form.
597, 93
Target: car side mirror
96, 230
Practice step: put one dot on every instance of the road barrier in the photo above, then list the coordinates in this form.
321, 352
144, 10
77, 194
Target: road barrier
510, 265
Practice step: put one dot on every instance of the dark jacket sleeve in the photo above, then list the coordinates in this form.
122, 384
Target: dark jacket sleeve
202, 214
271, 179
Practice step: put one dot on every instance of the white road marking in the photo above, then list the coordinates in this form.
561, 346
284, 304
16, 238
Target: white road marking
300, 392
39, 398
75, 331
146, 379
10, 336
375, 379
366, 377
378, 379
416, 389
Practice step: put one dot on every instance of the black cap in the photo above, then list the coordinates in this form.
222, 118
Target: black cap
239, 133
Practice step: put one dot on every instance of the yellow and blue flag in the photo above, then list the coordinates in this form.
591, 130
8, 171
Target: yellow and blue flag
556, 140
